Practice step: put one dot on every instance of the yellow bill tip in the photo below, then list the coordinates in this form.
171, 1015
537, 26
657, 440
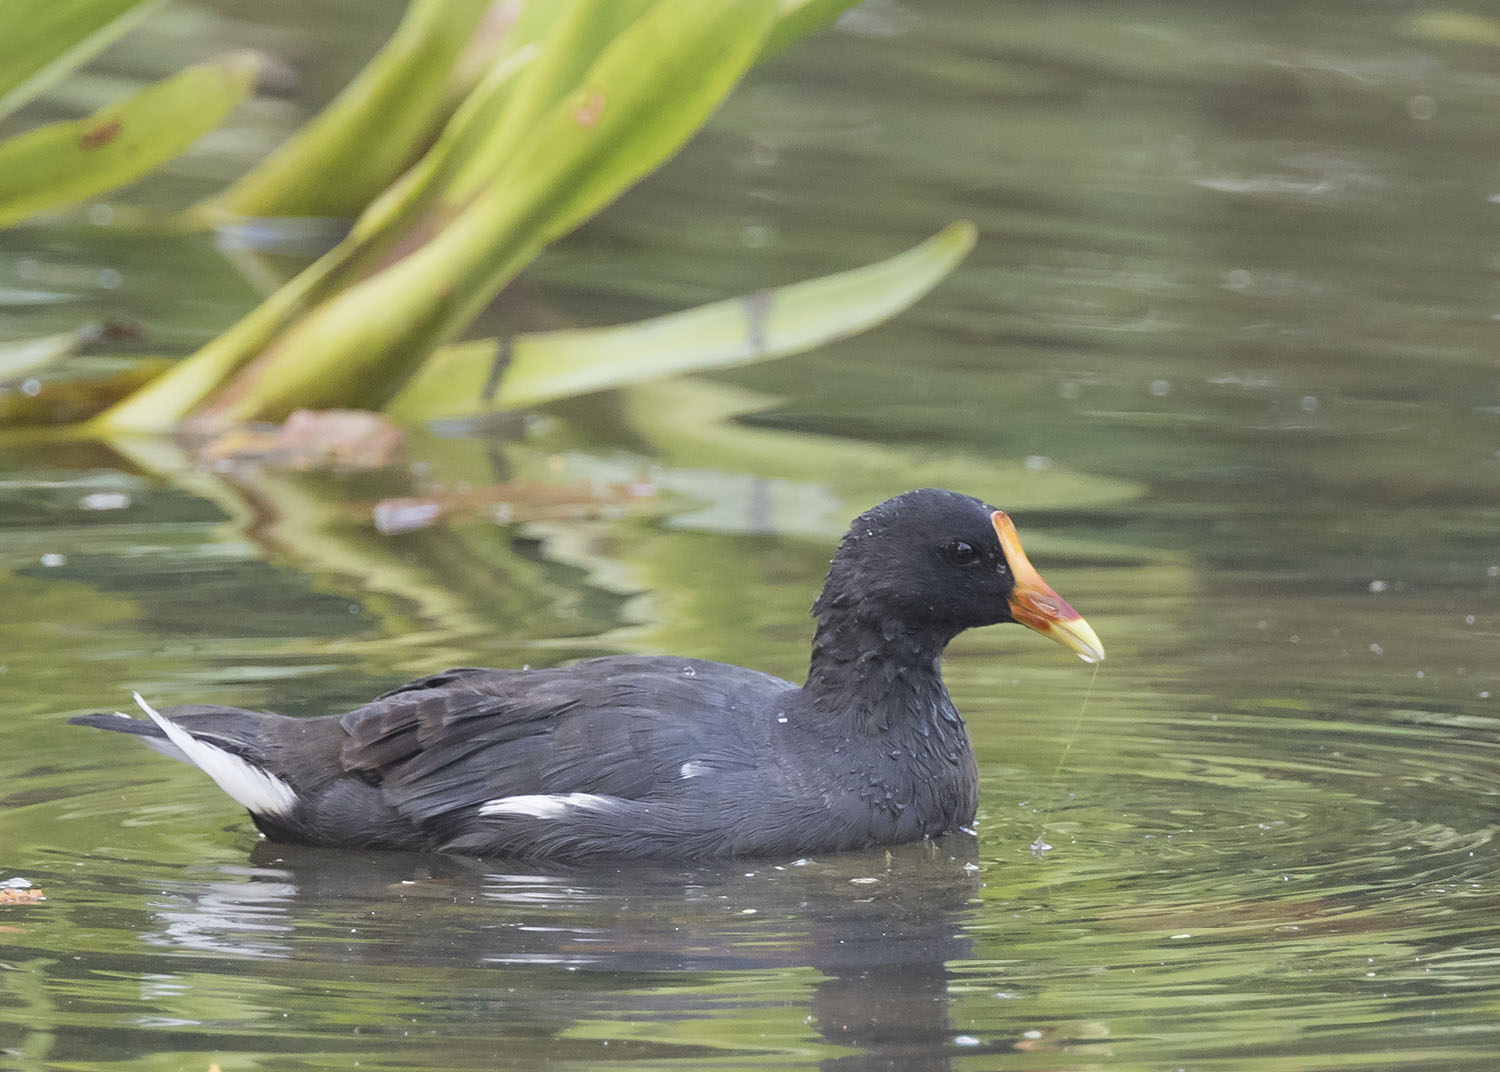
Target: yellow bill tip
1035, 605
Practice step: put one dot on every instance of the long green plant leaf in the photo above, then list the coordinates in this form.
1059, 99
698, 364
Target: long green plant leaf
413, 212
62, 163
602, 137
435, 246
550, 48
42, 40
467, 379
576, 34
381, 122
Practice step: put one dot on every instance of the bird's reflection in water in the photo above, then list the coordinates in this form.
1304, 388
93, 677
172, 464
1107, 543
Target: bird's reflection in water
850, 949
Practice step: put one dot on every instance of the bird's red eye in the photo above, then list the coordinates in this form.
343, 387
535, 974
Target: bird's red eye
960, 553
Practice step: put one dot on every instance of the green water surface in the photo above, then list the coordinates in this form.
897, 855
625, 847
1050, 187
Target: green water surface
1226, 351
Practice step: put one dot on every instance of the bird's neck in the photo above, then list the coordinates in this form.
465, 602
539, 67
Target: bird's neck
877, 678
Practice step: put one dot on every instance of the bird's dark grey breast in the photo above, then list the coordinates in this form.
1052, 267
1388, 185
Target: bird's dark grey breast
914, 777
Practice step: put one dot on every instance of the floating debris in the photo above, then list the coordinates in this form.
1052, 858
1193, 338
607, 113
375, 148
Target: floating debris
507, 503
104, 500
394, 516
344, 439
19, 891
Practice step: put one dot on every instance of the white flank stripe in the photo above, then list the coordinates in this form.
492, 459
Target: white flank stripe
692, 769
255, 790
548, 805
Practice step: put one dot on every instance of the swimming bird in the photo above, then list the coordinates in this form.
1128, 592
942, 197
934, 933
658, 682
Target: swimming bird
658, 756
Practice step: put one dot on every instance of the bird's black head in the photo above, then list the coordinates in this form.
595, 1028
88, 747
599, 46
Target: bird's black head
937, 562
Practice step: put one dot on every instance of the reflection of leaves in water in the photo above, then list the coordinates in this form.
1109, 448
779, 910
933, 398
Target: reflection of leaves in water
705, 432
439, 589
466, 578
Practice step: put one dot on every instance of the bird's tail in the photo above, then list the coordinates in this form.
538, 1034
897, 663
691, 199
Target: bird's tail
223, 742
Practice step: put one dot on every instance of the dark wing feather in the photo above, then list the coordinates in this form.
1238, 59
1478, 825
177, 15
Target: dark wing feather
620, 726
441, 679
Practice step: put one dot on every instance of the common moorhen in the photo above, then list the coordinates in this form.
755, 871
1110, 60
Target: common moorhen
658, 756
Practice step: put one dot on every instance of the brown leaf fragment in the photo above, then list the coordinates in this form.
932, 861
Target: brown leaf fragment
510, 502
344, 439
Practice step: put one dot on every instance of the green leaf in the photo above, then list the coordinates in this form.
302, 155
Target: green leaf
382, 121
574, 35
549, 50
493, 190
461, 380
63, 163
42, 40
602, 137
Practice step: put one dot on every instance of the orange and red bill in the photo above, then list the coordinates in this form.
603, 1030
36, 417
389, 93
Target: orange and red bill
1035, 605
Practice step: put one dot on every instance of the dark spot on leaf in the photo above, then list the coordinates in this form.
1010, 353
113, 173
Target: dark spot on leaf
497, 369
99, 136
121, 330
